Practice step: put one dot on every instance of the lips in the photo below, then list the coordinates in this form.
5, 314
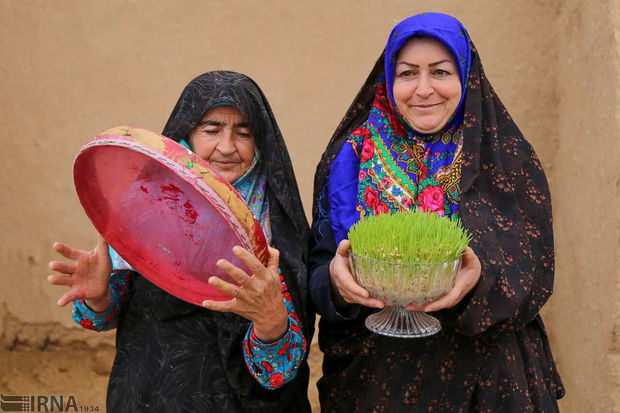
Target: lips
224, 165
425, 106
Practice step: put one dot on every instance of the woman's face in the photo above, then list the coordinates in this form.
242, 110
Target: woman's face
427, 88
223, 139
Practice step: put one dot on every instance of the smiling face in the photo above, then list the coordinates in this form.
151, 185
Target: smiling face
223, 139
427, 88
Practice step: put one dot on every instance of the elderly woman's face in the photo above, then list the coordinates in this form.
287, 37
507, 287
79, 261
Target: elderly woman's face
223, 139
427, 88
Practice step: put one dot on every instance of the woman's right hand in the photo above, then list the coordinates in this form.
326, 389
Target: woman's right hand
87, 274
343, 284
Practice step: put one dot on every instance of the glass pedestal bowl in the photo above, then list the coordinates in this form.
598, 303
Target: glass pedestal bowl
399, 284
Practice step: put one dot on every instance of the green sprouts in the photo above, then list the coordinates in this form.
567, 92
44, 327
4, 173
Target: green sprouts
409, 237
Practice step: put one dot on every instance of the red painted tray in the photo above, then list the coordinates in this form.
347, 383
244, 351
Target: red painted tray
164, 210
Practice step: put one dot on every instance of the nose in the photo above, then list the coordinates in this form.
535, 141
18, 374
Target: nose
226, 143
424, 88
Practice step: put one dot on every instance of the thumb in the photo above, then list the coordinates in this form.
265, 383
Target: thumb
344, 247
101, 251
101, 242
274, 259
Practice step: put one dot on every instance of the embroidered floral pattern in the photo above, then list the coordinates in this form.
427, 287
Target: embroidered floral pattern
107, 319
399, 172
274, 364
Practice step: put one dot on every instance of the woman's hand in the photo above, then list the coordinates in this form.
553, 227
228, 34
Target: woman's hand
257, 298
344, 284
466, 280
87, 274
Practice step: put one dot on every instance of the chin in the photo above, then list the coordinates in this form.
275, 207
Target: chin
427, 131
225, 174
229, 179
426, 127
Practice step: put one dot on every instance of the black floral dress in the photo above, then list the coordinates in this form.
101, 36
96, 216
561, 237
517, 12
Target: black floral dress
177, 357
492, 354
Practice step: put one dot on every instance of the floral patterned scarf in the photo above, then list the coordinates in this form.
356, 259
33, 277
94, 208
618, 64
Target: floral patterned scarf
386, 165
398, 173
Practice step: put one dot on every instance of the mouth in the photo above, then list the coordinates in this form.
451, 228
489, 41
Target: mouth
425, 106
224, 165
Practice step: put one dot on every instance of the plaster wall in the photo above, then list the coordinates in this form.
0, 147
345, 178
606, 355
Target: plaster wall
583, 316
73, 68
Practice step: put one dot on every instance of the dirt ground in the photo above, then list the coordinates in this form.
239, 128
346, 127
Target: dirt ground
81, 371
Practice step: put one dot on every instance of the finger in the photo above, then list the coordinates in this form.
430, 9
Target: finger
102, 246
56, 279
447, 301
347, 284
101, 242
470, 259
368, 302
227, 288
344, 247
66, 251
466, 279
461, 287
342, 272
255, 266
414, 307
236, 273
68, 297
222, 306
273, 263
466, 256
68, 268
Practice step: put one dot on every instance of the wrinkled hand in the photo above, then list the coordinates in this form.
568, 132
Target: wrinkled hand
343, 282
87, 274
466, 280
257, 298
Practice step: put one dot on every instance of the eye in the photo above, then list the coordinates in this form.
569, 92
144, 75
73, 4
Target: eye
406, 73
443, 72
212, 132
244, 133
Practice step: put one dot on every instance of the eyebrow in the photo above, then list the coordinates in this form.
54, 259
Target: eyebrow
218, 123
430, 64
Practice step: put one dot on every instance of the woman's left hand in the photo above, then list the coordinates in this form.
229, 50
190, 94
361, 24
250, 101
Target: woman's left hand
257, 298
466, 280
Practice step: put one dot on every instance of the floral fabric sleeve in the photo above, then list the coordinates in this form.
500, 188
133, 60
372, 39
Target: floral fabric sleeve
275, 364
108, 318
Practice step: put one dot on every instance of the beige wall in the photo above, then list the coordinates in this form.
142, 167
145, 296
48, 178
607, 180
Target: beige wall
71, 69
584, 315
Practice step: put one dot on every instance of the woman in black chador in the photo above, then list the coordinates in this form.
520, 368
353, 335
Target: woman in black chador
427, 132
244, 355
